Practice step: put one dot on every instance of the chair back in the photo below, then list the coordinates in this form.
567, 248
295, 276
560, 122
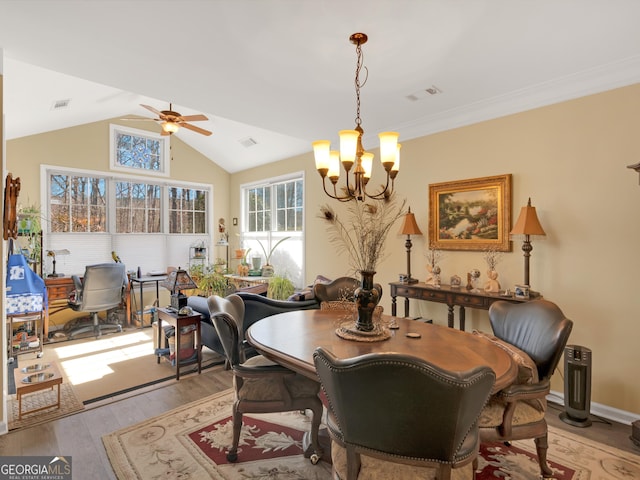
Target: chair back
404, 407
102, 287
539, 328
234, 307
341, 288
227, 330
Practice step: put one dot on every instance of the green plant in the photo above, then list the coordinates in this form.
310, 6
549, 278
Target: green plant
30, 225
209, 280
280, 288
264, 250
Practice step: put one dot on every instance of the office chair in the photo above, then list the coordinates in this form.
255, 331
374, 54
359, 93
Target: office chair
396, 416
100, 289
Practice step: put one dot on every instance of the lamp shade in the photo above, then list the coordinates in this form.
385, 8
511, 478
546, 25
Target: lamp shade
527, 223
178, 280
410, 227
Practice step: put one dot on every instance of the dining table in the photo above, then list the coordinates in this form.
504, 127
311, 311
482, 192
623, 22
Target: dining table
290, 339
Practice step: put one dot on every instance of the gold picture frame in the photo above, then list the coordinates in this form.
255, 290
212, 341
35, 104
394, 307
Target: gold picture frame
473, 214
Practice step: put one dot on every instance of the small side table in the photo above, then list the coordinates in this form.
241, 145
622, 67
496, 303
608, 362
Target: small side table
178, 322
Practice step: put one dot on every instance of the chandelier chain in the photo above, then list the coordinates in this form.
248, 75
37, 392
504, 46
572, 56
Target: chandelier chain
359, 66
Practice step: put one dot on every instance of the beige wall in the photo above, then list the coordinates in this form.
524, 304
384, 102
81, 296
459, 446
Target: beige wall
571, 159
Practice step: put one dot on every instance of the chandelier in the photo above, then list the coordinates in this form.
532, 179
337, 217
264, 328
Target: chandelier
353, 156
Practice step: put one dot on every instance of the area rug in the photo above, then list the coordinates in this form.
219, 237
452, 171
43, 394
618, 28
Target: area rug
191, 441
69, 403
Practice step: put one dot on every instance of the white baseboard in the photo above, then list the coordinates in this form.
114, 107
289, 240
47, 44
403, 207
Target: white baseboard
599, 410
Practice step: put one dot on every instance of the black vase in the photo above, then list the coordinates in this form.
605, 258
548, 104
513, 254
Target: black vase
366, 298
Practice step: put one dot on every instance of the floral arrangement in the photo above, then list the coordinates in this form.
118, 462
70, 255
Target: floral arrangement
364, 229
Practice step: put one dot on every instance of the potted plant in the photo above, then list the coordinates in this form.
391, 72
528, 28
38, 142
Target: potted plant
280, 288
267, 268
30, 225
209, 281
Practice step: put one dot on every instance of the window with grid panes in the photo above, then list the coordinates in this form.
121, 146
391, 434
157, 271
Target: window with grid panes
187, 210
77, 203
273, 210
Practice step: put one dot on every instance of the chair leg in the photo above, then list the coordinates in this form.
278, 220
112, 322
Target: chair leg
314, 451
232, 454
542, 446
353, 463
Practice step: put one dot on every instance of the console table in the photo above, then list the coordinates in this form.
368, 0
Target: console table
451, 296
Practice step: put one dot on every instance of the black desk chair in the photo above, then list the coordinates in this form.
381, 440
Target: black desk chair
101, 288
395, 416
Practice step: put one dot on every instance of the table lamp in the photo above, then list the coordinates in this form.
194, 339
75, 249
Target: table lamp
526, 226
409, 227
176, 281
54, 253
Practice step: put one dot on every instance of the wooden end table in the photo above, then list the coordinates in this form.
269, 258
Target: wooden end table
178, 322
48, 377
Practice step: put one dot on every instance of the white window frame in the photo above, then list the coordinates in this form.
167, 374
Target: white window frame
274, 235
165, 151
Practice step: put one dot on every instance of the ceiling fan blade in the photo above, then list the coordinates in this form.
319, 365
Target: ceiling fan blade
196, 129
193, 118
140, 119
157, 112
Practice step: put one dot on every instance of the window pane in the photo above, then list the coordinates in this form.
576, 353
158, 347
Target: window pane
137, 207
187, 210
138, 151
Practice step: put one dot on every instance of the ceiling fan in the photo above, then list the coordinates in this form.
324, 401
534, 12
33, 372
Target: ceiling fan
171, 121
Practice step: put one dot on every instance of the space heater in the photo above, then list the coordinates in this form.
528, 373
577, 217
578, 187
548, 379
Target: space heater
577, 386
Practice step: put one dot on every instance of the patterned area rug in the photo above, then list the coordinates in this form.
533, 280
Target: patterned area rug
69, 403
191, 441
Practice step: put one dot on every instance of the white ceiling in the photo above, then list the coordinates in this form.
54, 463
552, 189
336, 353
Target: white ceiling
282, 71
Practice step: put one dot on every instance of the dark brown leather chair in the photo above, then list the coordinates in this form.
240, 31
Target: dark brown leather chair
341, 288
262, 386
396, 416
535, 333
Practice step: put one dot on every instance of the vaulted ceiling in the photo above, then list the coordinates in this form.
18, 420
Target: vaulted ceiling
278, 74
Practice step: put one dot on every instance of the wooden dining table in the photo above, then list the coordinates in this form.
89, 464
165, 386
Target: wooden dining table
291, 338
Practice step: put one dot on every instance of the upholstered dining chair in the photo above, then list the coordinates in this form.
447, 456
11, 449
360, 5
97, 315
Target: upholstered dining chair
340, 289
262, 386
535, 334
101, 288
395, 416
234, 306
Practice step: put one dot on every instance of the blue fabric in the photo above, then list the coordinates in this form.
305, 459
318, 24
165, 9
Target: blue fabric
26, 292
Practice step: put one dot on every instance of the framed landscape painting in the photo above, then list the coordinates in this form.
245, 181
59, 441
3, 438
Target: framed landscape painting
473, 214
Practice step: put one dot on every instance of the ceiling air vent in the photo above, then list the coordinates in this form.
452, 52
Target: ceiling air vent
61, 104
248, 142
424, 93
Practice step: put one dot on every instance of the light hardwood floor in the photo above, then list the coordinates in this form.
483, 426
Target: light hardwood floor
79, 435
